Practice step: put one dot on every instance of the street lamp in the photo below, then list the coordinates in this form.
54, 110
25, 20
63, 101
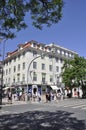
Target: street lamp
1, 69
1, 82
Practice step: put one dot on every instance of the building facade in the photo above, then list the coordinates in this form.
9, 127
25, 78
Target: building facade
35, 63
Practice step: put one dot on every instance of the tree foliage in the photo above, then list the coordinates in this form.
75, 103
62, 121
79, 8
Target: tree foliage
74, 73
12, 14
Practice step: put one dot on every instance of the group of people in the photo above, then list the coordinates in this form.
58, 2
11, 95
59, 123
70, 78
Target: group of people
16, 96
58, 95
54, 96
34, 96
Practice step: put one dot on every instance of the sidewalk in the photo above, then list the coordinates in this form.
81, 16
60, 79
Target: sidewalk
14, 102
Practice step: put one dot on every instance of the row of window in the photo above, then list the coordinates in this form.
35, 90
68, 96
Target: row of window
57, 60
15, 68
16, 58
18, 68
43, 67
34, 78
55, 50
34, 54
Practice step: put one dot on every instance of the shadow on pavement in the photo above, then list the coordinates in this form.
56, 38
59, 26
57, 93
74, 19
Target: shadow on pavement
40, 120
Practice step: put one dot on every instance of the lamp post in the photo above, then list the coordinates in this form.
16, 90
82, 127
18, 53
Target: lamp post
1, 82
1, 69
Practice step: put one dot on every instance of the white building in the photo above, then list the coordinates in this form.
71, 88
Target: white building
35, 63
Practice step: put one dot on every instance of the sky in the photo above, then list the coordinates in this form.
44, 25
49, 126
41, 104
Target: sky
69, 33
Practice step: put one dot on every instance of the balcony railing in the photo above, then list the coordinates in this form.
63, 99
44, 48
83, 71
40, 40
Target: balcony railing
43, 82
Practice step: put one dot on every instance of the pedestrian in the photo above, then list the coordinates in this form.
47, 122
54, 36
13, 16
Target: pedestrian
78, 94
9, 95
59, 94
46, 97
39, 96
49, 96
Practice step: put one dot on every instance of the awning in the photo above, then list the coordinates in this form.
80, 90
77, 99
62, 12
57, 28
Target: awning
7, 88
54, 87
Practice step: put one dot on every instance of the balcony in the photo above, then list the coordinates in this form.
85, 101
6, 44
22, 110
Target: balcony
43, 82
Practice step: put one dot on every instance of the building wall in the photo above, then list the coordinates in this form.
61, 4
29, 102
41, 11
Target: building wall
54, 56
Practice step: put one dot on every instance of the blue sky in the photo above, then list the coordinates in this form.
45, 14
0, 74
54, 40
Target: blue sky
70, 32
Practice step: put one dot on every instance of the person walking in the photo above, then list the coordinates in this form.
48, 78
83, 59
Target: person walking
46, 97
39, 96
9, 95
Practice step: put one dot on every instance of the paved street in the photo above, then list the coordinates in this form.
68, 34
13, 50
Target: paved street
67, 114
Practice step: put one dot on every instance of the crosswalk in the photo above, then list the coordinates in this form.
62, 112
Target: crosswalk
69, 103
74, 104
4, 112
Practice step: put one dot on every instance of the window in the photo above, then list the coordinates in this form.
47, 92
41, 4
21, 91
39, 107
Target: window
61, 60
14, 59
9, 62
18, 77
9, 70
50, 57
8, 80
23, 65
23, 54
57, 59
14, 69
57, 68
18, 67
34, 53
50, 68
43, 77
6, 71
34, 44
64, 53
42, 55
35, 65
34, 76
23, 77
49, 49
18, 57
51, 78
61, 52
43, 66
13, 79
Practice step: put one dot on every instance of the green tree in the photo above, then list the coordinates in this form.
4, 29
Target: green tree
13, 12
74, 72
